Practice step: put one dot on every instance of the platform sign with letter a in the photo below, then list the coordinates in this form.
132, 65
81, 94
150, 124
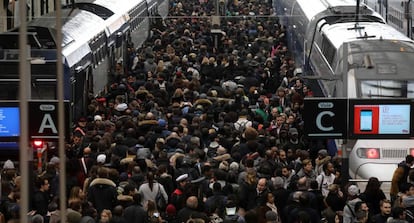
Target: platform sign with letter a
325, 118
43, 119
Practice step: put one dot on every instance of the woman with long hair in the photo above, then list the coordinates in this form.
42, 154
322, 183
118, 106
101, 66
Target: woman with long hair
268, 205
373, 194
106, 216
76, 193
247, 190
150, 189
93, 173
153, 214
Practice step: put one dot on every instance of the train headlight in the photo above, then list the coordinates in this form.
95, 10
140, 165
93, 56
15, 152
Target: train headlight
369, 153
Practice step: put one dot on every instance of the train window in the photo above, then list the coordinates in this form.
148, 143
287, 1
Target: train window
10, 90
95, 59
102, 53
410, 89
386, 89
135, 23
99, 56
44, 90
328, 50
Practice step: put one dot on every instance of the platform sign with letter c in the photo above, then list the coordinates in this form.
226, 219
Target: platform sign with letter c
325, 118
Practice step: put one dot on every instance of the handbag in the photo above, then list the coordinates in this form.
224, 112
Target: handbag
160, 200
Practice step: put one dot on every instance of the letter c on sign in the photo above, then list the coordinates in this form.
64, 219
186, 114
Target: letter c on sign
319, 121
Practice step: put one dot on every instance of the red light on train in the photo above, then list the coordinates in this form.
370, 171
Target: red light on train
373, 154
38, 144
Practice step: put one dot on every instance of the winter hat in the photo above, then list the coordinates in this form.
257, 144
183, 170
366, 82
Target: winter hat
234, 166
121, 107
97, 118
101, 159
353, 190
8, 165
213, 145
323, 152
170, 210
55, 160
162, 122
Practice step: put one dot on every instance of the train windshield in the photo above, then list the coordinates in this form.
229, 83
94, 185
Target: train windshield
387, 88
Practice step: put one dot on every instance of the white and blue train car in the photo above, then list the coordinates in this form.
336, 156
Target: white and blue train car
353, 54
96, 34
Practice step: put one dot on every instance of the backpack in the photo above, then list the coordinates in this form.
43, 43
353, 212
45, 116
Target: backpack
404, 179
160, 201
353, 216
410, 214
241, 125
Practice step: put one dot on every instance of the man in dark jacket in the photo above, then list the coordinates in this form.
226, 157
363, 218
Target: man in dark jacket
102, 191
179, 196
190, 211
41, 199
136, 213
217, 202
385, 206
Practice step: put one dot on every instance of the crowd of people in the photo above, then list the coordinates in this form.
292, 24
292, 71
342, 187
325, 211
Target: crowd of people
200, 126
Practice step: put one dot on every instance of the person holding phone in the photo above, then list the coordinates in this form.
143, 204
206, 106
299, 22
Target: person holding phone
152, 212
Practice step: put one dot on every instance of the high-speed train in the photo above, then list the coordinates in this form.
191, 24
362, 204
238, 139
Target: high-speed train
96, 34
353, 53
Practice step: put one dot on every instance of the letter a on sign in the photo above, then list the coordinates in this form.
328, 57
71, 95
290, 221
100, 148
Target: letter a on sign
47, 123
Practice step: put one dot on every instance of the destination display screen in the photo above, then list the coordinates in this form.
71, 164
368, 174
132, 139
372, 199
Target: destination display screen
9, 122
388, 118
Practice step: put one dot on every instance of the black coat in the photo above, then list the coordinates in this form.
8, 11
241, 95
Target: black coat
135, 214
186, 213
103, 194
40, 202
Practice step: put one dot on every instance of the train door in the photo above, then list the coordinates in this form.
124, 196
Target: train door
81, 83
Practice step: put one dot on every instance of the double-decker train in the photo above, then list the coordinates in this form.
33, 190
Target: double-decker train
353, 53
96, 34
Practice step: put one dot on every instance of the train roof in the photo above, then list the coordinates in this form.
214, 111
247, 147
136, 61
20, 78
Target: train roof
77, 25
115, 12
77, 34
349, 32
315, 10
